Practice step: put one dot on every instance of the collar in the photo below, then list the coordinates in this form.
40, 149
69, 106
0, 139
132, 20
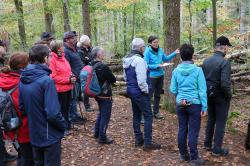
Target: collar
220, 53
188, 62
135, 52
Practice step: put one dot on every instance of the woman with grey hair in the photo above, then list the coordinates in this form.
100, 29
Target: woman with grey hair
104, 100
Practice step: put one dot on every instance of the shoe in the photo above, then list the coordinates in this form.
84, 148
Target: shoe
106, 141
9, 157
151, 146
220, 152
79, 120
96, 136
139, 143
89, 110
197, 162
158, 116
184, 157
66, 133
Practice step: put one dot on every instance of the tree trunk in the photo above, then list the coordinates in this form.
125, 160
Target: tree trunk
190, 21
125, 31
133, 22
86, 18
243, 16
49, 27
95, 31
214, 21
21, 26
171, 18
66, 16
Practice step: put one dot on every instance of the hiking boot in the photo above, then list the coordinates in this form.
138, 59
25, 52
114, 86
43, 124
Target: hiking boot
197, 162
106, 141
96, 135
158, 116
184, 157
151, 146
79, 120
139, 143
220, 152
89, 110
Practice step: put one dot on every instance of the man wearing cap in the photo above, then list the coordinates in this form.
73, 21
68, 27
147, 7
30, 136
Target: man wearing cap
47, 37
76, 65
217, 71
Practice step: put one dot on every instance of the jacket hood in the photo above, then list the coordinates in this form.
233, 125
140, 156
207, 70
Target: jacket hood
186, 68
34, 72
130, 58
9, 80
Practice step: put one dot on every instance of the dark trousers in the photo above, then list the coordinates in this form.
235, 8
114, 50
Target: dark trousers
73, 113
25, 155
141, 106
47, 156
65, 99
86, 101
218, 108
155, 90
102, 121
189, 126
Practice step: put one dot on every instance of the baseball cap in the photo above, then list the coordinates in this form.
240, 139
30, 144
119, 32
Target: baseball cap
223, 41
69, 34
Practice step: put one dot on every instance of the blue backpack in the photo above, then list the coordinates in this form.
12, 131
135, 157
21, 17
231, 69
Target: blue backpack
89, 81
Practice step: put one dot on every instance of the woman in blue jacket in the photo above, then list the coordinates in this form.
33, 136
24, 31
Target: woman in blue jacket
188, 84
155, 57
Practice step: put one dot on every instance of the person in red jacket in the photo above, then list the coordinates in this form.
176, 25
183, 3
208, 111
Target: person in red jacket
9, 79
63, 77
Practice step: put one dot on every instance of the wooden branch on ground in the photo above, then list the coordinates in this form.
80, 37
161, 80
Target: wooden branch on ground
241, 78
241, 74
116, 68
120, 83
119, 78
236, 55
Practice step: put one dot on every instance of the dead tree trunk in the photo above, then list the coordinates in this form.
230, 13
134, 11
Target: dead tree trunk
66, 16
86, 18
214, 21
21, 26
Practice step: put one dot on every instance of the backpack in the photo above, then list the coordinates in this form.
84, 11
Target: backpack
89, 81
9, 119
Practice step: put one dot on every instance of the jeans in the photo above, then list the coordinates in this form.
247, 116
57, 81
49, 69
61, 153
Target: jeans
25, 155
141, 106
189, 126
218, 108
102, 121
47, 156
156, 89
73, 114
64, 99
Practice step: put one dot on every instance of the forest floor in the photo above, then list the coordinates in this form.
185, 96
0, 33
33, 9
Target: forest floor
81, 149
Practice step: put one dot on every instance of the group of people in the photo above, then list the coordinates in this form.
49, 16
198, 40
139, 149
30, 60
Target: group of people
48, 91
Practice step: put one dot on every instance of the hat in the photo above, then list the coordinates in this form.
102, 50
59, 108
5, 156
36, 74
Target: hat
83, 40
47, 36
69, 34
223, 41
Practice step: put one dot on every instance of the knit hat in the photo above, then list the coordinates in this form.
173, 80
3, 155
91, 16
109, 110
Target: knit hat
83, 40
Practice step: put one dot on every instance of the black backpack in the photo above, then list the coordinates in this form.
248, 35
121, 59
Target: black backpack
9, 120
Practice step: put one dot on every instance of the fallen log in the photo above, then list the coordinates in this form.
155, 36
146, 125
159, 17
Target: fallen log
120, 83
236, 55
119, 78
241, 78
116, 68
240, 74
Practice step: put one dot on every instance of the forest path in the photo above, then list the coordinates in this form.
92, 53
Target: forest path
82, 149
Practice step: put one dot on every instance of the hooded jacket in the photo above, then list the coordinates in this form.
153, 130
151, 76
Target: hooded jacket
39, 101
188, 82
154, 59
61, 72
135, 74
9, 81
73, 59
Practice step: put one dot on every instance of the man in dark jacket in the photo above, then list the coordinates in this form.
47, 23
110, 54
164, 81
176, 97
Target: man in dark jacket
47, 37
217, 71
76, 67
84, 50
136, 76
38, 100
